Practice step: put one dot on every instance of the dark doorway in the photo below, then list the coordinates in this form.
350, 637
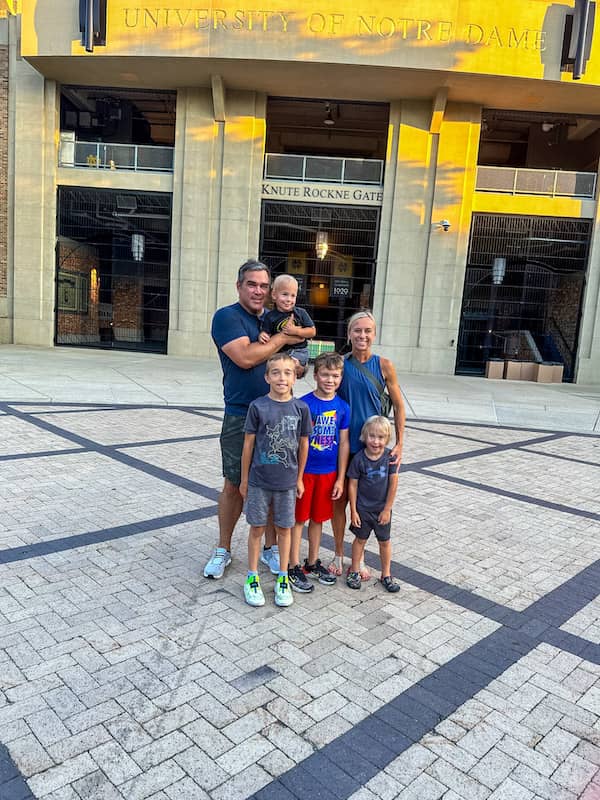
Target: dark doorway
523, 288
333, 287
112, 269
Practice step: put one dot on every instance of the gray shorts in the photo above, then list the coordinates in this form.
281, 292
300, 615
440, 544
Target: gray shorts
369, 523
232, 443
259, 501
300, 354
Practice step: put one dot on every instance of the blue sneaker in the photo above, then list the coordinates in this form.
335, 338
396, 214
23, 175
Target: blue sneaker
215, 566
270, 558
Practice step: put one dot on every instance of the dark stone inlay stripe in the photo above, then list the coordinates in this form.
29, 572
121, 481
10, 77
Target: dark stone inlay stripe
12, 784
407, 718
570, 459
483, 451
123, 458
68, 451
522, 498
60, 545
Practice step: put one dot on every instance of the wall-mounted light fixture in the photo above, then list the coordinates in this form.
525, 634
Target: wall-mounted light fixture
322, 245
329, 120
138, 245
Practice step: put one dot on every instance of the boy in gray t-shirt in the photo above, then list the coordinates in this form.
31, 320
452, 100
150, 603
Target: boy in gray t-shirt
273, 459
372, 483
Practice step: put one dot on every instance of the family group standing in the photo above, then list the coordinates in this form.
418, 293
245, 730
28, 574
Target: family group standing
288, 458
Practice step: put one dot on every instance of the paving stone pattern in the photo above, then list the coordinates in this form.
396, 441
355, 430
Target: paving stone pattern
125, 674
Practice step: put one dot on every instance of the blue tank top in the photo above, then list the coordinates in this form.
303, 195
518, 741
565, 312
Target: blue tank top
361, 395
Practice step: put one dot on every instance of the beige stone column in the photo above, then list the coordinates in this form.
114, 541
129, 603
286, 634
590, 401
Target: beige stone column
34, 195
216, 210
243, 156
419, 289
587, 368
197, 171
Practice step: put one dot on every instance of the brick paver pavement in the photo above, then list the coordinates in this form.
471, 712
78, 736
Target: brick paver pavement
125, 674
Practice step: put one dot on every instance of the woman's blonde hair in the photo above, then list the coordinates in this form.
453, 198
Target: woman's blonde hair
364, 314
376, 421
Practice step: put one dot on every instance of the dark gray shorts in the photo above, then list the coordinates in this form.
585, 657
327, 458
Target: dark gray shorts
369, 523
232, 443
282, 502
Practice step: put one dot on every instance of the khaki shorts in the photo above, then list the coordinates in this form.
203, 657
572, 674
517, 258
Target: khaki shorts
232, 444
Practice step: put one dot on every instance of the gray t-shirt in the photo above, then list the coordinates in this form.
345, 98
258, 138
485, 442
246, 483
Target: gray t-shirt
278, 428
373, 479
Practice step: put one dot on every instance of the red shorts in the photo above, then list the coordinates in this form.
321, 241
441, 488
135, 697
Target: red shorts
316, 502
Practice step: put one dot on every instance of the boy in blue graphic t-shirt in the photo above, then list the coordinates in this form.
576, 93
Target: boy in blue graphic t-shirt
328, 451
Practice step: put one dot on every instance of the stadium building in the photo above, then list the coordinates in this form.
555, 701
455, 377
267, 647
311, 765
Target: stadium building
436, 163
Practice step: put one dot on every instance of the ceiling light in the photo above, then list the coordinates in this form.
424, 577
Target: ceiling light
498, 270
138, 245
322, 245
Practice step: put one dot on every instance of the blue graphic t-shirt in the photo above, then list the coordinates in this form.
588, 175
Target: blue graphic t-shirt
373, 479
329, 417
278, 428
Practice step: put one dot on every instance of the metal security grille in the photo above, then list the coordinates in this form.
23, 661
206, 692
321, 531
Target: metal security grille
332, 288
112, 269
533, 312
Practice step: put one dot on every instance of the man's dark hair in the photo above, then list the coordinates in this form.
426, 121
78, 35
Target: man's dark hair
252, 265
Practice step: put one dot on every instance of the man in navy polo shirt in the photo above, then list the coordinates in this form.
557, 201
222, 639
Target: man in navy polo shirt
235, 331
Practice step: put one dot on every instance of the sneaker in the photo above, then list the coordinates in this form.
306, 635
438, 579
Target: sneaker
353, 580
283, 593
318, 572
389, 584
270, 558
253, 594
298, 581
215, 566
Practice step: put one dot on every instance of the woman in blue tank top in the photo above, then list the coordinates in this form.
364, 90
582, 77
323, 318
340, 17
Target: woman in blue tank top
363, 396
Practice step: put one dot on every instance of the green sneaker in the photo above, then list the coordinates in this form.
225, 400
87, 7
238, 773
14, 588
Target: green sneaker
283, 593
253, 594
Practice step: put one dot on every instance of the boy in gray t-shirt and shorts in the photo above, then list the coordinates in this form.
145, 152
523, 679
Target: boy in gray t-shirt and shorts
273, 459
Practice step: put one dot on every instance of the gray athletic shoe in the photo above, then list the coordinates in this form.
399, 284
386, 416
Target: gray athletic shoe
353, 580
270, 558
215, 566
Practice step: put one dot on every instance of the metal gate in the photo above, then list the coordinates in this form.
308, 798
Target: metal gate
331, 251
112, 269
527, 305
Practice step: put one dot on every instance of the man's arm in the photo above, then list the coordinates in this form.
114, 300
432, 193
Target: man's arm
246, 354
247, 450
391, 380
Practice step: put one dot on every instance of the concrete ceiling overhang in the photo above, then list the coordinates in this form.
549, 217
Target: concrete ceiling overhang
341, 81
